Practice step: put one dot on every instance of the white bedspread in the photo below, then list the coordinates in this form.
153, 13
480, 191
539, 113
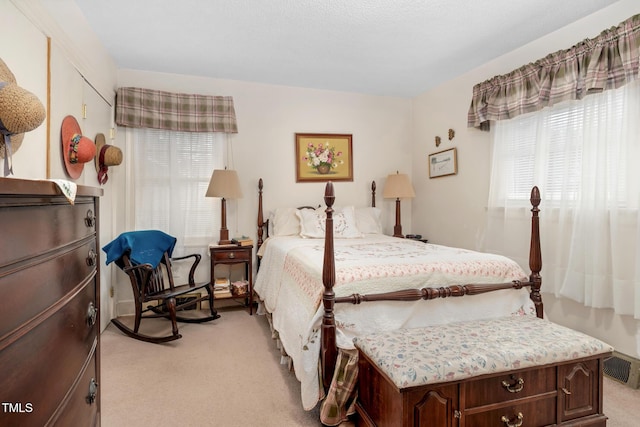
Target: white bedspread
289, 283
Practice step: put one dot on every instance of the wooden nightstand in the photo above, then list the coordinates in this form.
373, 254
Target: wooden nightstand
229, 255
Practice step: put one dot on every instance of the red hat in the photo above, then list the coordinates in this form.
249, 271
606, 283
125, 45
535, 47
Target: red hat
76, 149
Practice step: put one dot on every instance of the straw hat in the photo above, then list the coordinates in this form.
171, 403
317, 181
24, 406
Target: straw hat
108, 155
20, 111
76, 149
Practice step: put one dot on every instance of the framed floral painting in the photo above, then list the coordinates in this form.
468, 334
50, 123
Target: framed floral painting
324, 157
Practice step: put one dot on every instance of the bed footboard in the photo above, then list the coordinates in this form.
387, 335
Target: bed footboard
329, 351
433, 293
328, 329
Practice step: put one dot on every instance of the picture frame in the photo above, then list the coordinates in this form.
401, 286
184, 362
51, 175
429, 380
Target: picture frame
324, 157
443, 163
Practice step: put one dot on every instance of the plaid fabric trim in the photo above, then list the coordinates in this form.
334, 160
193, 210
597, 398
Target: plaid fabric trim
608, 61
146, 108
340, 400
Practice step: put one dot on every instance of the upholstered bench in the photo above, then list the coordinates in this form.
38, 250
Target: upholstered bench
511, 371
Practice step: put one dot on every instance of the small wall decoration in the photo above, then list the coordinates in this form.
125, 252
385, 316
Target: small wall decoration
106, 155
324, 157
76, 148
452, 134
438, 141
443, 163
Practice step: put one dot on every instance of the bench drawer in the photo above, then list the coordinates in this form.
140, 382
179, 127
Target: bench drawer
537, 413
509, 386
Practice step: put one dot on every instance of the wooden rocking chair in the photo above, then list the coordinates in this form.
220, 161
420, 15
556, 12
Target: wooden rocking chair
156, 286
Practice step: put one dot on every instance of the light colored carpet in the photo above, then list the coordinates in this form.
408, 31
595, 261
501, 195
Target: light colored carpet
621, 404
227, 373
221, 373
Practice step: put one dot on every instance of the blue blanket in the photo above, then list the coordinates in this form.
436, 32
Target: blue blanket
144, 247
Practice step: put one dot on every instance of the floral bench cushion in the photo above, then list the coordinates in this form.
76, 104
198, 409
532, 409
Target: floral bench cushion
457, 351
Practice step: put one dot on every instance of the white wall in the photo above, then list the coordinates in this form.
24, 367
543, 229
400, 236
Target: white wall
29, 66
451, 210
268, 118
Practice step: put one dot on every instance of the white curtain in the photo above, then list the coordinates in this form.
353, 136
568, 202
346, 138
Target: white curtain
585, 158
169, 178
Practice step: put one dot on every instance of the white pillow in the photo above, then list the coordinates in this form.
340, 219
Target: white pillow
285, 222
312, 223
368, 220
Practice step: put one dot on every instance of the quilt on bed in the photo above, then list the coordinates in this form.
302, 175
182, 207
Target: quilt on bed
289, 283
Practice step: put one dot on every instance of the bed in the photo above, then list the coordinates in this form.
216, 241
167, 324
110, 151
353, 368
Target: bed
335, 277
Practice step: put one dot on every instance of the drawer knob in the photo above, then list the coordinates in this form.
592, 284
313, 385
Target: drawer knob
92, 314
93, 391
90, 219
517, 422
514, 387
91, 258
231, 255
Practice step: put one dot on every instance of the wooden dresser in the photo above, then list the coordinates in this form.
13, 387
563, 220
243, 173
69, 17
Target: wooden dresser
49, 305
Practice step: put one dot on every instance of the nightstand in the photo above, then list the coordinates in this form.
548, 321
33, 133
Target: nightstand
229, 255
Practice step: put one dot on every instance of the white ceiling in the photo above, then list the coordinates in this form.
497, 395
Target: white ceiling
380, 47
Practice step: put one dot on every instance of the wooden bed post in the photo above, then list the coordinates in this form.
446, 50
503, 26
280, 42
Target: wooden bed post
260, 216
329, 351
535, 254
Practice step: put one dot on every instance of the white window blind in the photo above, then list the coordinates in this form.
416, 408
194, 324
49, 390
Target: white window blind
547, 149
171, 174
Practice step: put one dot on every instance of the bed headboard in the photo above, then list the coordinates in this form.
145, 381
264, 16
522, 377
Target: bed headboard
263, 224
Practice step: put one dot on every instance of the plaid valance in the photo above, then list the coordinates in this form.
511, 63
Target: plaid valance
146, 108
608, 61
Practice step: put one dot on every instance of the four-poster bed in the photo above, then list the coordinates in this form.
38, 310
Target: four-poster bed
298, 289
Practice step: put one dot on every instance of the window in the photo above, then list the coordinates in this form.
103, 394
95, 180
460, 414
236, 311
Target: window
572, 150
170, 178
583, 155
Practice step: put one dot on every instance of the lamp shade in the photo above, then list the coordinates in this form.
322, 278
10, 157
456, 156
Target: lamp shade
398, 186
224, 183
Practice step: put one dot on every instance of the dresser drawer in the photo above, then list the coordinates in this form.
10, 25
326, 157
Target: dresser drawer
40, 368
509, 386
234, 254
37, 228
83, 400
28, 289
541, 412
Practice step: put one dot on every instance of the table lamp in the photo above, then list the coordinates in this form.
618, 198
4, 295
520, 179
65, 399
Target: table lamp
224, 184
398, 186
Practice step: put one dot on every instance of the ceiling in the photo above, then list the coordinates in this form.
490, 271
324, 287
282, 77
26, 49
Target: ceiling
381, 47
